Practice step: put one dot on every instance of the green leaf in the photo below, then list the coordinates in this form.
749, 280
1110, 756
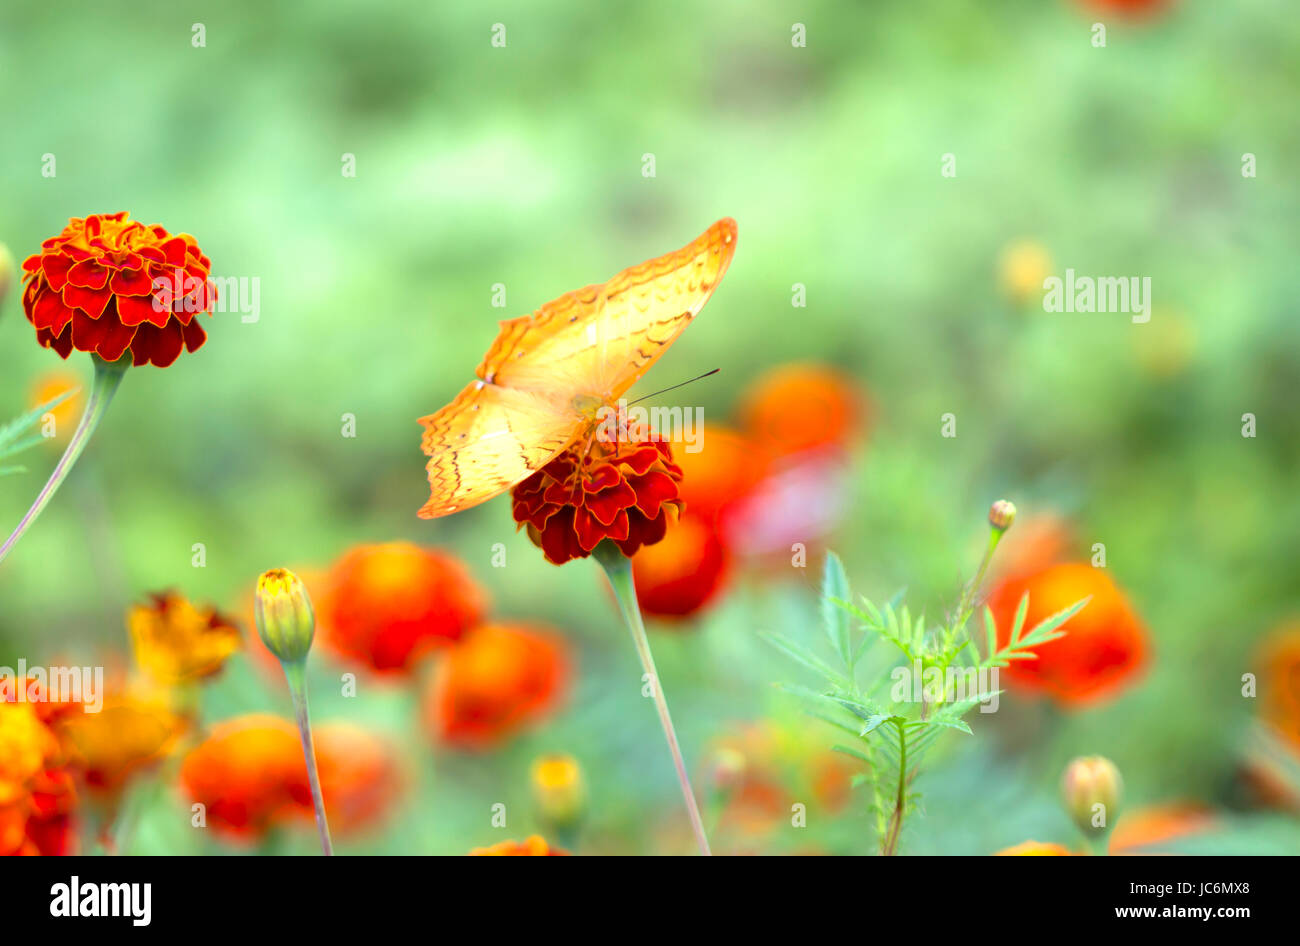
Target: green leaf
1045, 629
11, 431
1019, 622
801, 655
853, 752
877, 720
835, 616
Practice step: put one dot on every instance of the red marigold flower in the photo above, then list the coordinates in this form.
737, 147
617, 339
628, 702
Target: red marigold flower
621, 489
360, 776
677, 577
387, 605
247, 775
109, 285
535, 846
1105, 644
499, 678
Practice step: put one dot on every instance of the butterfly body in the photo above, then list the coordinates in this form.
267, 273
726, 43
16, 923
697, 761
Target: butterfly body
549, 376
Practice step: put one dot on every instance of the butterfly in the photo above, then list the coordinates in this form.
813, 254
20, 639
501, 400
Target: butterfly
548, 375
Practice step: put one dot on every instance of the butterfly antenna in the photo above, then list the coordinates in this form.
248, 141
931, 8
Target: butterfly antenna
675, 386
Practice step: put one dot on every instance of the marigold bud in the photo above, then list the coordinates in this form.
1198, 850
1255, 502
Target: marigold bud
1091, 788
285, 620
1001, 514
559, 790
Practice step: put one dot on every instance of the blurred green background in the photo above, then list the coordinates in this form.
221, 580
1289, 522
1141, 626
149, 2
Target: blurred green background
522, 165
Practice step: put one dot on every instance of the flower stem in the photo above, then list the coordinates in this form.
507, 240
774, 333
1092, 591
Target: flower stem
618, 569
108, 375
295, 673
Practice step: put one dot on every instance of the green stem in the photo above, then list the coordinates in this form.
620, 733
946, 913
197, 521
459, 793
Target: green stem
618, 569
295, 673
967, 603
108, 375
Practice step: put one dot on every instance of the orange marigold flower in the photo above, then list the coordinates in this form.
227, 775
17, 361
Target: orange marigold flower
677, 577
248, 774
36, 791
1105, 644
1035, 849
499, 678
718, 470
623, 489
1137, 831
535, 846
360, 776
175, 642
107, 285
1279, 678
387, 605
131, 732
802, 406
64, 414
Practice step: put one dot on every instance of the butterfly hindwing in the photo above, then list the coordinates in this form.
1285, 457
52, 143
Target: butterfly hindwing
487, 440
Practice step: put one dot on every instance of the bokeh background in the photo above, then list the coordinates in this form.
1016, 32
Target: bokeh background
523, 165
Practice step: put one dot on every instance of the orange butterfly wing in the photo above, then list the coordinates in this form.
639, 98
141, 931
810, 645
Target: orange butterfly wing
595, 342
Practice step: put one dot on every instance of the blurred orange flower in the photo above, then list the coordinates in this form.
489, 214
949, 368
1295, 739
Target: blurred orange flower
49, 386
1035, 849
760, 768
802, 406
129, 733
360, 776
623, 489
248, 774
387, 605
535, 846
1279, 682
93, 288
1105, 644
718, 470
677, 577
1137, 831
175, 642
499, 678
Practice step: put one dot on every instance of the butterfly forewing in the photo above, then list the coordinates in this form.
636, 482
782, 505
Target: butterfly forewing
597, 341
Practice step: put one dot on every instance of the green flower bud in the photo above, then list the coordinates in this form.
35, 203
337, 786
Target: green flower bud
1091, 789
285, 620
1001, 514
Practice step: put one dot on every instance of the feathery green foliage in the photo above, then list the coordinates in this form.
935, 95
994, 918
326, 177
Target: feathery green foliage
895, 704
16, 435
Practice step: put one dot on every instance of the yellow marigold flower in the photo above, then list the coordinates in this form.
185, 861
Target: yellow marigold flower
535, 846
25, 744
176, 642
1023, 267
64, 414
558, 789
1035, 849
130, 733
